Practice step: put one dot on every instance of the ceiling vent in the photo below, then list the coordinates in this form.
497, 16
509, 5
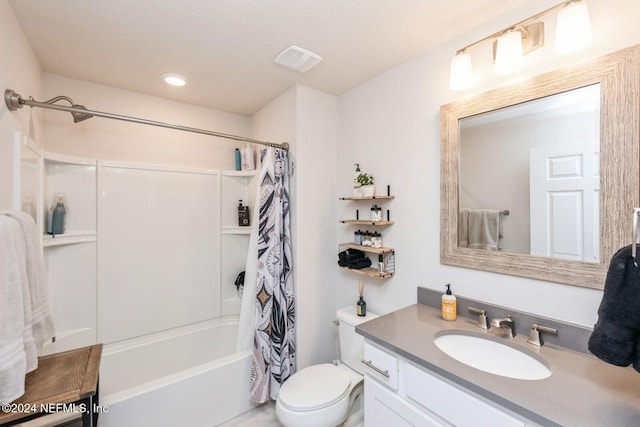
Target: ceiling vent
297, 59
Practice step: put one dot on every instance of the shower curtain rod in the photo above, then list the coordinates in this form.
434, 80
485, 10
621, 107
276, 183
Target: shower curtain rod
15, 101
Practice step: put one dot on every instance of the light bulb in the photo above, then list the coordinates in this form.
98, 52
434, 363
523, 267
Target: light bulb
461, 74
509, 52
573, 28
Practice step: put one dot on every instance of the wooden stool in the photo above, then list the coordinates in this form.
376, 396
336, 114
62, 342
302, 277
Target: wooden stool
61, 381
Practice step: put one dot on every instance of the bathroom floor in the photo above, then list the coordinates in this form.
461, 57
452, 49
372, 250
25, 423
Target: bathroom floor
263, 416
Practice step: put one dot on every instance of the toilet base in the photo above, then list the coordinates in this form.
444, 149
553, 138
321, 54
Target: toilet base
338, 414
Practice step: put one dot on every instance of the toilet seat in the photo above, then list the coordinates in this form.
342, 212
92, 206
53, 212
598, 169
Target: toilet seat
315, 387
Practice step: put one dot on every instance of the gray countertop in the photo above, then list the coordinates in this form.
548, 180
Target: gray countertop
581, 391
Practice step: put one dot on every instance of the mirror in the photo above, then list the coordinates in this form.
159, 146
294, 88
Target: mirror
533, 170
534, 242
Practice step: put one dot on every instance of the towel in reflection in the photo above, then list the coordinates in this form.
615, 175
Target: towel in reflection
479, 229
616, 336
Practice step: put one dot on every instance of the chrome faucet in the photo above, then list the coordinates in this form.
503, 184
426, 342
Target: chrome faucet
482, 317
506, 325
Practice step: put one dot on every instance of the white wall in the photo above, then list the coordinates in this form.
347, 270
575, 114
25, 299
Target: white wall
118, 140
390, 125
306, 118
20, 71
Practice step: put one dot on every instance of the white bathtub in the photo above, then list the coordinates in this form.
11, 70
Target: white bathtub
188, 376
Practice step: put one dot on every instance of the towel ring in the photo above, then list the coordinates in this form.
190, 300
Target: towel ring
634, 238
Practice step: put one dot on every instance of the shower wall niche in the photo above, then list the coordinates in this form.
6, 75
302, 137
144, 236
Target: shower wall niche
146, 248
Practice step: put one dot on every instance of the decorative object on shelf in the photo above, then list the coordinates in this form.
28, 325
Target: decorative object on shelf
356, 184
361, 305
367, 186
380, 264
376, 213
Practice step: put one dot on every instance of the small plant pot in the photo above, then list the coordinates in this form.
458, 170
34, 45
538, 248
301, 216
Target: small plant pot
367, 190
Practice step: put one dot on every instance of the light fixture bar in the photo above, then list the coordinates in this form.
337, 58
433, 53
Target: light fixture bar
518, 24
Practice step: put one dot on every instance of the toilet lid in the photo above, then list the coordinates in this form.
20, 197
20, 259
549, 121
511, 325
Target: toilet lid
315, 387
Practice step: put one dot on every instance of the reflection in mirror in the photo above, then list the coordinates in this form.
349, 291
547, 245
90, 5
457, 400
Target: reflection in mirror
529, 177
554, 231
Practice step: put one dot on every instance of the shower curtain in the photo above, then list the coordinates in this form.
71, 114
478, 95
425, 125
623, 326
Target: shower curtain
271, 296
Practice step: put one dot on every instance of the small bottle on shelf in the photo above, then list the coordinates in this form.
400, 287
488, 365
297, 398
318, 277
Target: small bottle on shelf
243, 215
380, 264
361, 305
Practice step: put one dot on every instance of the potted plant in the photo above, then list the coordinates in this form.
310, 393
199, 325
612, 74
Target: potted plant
366, 182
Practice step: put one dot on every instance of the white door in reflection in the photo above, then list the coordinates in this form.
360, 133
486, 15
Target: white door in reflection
564, 190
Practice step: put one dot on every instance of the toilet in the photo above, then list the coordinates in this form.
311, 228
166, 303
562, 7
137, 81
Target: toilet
328, 395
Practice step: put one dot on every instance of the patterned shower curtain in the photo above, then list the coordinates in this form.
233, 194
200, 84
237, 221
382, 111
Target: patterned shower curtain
274, 340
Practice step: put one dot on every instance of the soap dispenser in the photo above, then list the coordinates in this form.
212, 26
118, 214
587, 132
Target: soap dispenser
449, 305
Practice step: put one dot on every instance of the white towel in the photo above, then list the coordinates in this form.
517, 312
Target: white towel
13, 280
26, 323
41, 317
484, 229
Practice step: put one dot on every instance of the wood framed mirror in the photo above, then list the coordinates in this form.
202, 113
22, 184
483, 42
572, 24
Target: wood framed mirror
616, 78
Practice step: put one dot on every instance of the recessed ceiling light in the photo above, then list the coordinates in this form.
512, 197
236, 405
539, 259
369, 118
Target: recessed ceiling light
174, 79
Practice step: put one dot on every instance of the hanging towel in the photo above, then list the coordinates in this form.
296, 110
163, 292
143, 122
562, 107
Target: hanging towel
463, 228
41, 317
484, 229
13, 280
616, 336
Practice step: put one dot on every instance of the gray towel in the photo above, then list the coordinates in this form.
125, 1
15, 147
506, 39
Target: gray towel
484, 229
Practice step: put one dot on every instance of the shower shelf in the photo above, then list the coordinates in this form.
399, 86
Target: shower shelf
236, 230
69, 238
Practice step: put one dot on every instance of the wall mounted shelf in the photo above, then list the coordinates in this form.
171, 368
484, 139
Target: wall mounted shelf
388, 254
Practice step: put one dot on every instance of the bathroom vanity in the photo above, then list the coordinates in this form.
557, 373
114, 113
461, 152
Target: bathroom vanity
410, 381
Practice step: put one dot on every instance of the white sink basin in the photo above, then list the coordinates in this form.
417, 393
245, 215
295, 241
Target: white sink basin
487, 353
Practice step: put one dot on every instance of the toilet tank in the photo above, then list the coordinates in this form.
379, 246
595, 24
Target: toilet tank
352, 343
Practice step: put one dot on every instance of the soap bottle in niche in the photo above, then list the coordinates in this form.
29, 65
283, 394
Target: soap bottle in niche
356, 184
238, 160
449, 305
361, 305
56, 223
243, 215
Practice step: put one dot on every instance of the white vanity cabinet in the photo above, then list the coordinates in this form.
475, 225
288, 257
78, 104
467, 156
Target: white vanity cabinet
423, 398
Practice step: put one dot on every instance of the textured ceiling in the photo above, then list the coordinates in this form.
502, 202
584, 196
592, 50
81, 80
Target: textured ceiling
226, 48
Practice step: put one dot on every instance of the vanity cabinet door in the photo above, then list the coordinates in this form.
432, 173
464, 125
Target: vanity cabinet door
453, 403
383, 408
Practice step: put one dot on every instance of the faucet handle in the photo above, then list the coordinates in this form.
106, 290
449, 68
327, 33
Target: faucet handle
534, 335
483, 322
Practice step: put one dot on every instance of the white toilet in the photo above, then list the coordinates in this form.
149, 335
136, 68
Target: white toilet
328, 395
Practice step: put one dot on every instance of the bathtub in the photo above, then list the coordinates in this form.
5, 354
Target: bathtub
189, 376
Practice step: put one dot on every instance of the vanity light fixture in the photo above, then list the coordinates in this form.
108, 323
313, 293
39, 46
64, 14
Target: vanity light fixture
573, 32
174, 79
